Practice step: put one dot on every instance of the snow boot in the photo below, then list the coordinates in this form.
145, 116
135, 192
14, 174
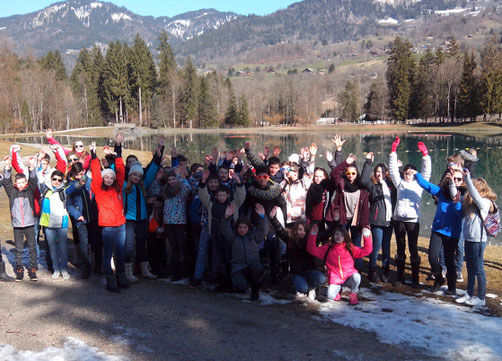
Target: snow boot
111, 283
145, 271
122, 280
415, 274
400, 280
19, 274
255, 292
3, 276
353, 299
385, 274
372, 275
438, 282
129, 273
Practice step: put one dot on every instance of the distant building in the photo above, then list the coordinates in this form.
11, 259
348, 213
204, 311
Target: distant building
308, 70
325, 121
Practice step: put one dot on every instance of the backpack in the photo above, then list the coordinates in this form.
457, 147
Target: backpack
491, 223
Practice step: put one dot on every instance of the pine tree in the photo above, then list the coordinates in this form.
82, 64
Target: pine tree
421, 103
349, 102
142, 77
189, 93
208, 117
231, 116
399, 74
167, 79
243, 112
468, 100
491, 77
53, 61
375, 105
116, 81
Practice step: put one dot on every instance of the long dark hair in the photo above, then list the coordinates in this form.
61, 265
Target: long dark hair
347, 240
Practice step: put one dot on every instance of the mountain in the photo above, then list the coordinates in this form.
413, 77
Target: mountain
71, 25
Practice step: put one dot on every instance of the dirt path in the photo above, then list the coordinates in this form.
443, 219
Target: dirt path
161, 321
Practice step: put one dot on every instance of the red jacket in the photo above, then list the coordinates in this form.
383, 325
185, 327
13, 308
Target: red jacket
110, 202
338, 205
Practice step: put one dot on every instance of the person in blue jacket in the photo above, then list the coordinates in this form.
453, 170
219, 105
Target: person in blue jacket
135, 211
446, 228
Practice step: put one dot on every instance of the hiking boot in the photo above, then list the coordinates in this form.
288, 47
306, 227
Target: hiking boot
32, 273
122, 280
438, 282
3, 276
131, 278
86, 271
111, 284
385, 274
19, 274
400, 280
353, 298
372, 275
255, 292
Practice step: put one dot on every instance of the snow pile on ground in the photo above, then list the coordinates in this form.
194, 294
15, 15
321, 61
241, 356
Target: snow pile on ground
72, 350
439, 328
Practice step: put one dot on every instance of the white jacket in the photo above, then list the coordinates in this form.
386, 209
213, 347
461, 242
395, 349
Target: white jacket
409, 194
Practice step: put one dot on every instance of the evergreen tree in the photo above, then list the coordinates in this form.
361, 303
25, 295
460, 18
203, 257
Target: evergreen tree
167, 79
208, 117
231, 116
421, 103
53, 61
349, 102
468, 100
491, 77
189, 93
142, 77
243, 112
376, 101
116, 81
399, 75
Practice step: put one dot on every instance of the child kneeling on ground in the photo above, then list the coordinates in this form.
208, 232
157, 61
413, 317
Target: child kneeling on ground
246, 263
339, 257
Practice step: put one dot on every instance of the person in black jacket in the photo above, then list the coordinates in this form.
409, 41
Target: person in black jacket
382, 201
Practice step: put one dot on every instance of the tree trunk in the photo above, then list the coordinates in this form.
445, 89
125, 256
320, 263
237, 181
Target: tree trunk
173, 100
140, 108
121, 114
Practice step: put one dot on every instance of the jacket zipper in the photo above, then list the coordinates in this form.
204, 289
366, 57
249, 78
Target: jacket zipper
22, 211
340, 265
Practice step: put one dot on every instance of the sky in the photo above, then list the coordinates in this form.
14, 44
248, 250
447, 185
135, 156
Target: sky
160, 7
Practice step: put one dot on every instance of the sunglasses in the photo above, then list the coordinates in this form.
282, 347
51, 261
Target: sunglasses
350, 173
79, 145
73, 160
458, 179
262, 177
57, 179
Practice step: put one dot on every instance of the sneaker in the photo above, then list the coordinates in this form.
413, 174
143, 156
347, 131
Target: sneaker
19, 274
55, 275
338, 296
33, 274
443, 272
475, 302
463, 299
312, 295
460, 278
353, 299
65, 274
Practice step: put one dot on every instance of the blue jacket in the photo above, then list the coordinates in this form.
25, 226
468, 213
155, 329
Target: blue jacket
134, 202
79, 201
448, 218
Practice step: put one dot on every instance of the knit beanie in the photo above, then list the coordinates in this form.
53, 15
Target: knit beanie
136, 167
108, 171
294, 158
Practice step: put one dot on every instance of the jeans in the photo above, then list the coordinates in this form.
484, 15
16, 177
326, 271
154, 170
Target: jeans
353, 282
412, 230
474, 254
19, 235
459, 255
135, 230
114, 244
450, 245
307, 281
58, 243
381, 239
253, 273
202, 254
83, 244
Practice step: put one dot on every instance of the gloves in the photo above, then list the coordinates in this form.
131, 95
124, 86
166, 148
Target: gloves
422, 148
395, 145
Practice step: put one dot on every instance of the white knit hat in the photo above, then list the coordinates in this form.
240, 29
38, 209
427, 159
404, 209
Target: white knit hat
294, 158
108, 171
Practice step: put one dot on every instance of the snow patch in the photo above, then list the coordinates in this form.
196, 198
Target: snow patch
388, 21
73, 349
438, 328
116, 17
202, 15
44, 15
450, 11
95, 5
3, 28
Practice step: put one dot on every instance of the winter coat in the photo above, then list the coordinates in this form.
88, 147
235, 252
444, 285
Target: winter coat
110, 201
473, 229
245, 249
339, 261
314, 202
134, 202
54, 213
79, 201
175, 208
448, 217
409, 194
338, 205
269, 197
239, 198
378, 206
21, 201
295, 195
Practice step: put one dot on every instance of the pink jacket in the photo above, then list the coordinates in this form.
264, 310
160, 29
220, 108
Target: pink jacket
340, 262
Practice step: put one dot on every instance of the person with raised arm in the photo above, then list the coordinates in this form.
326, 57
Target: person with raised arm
78, 148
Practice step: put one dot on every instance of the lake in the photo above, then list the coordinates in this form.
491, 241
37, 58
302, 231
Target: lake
195, 145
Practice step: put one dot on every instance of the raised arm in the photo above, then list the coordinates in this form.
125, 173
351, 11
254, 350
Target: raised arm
312, 248
366, 173
426, 185
480, 202
359, 252
426, 161
255, 160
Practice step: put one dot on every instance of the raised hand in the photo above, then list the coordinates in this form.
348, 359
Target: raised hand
329, 156
236, 178
276, 151
313, 149
305, 152
92, 147
314, 229
229, 212
423, 148
161, 141
215, 153
266, 152
273, 212
8, 162
205, 175
32, 162
395, 144
351, 159
119, 138
259, 209
370, 156
208, 159
247, 145
48, 133
338, 142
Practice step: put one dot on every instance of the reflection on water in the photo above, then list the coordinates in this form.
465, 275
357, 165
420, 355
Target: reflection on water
195, 145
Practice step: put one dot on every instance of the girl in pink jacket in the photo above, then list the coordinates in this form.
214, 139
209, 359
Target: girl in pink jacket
339, 255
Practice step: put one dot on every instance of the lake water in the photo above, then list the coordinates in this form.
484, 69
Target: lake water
195, 145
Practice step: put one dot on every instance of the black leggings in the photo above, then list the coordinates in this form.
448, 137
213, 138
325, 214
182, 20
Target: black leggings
450, 245
411, 229
179, 250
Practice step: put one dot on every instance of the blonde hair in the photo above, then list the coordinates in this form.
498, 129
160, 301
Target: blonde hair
484, 191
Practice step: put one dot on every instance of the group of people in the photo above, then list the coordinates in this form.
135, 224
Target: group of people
237, 213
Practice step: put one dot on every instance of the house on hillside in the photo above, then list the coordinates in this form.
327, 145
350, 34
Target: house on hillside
308, 71
325, 121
